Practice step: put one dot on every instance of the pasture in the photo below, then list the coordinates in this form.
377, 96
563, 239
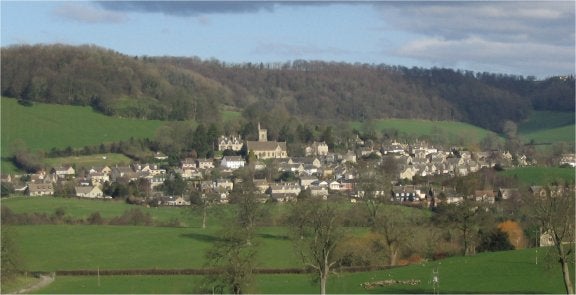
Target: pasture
548, 127
46, 126
540, 175
448, 131
500, 272
89, 161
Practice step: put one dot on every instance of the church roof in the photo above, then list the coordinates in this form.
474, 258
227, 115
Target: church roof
265, 145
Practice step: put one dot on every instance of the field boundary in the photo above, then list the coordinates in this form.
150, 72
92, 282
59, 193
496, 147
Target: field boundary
206, 271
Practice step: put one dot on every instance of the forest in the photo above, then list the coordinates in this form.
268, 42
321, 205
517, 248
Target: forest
183, 88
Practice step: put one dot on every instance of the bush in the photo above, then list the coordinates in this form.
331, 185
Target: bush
133, 216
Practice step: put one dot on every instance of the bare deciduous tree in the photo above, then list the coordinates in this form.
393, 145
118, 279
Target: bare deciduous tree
554, 212
320, 236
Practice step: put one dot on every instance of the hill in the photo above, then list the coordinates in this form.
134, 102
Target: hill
46, 126
172, 88
446, 132
548, 127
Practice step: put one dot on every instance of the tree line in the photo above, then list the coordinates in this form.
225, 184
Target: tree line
174, 88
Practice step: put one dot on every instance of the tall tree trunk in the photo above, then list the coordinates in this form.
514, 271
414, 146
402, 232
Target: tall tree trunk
323, 280
204, 217
565, 269
393, 256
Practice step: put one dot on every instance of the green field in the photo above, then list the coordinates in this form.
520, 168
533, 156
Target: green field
70, 247
548, 127
82, 208
89, 161
46, 126
452, 132
541, 175
501, 272
135, 247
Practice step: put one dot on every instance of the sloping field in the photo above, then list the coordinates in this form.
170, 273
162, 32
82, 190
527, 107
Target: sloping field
452, 132
46, 126
541, 175
548, 127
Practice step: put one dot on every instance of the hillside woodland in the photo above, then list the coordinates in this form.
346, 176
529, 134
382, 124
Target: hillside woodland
181, 88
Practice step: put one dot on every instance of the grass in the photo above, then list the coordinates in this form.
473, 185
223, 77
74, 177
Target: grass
18, 283
500, 272
89, 161
46, 126
548, 127
134, 247
452, 132
541, 175
82, 208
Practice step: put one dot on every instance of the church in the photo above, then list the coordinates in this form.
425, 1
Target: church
264, 149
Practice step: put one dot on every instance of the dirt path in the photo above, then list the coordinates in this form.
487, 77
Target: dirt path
44, 281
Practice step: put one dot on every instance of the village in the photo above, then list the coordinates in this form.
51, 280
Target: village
321, 174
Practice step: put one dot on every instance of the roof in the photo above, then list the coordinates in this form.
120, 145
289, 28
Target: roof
84, 189
265, 145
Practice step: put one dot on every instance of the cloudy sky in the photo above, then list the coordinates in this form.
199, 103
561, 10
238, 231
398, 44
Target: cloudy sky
514, 37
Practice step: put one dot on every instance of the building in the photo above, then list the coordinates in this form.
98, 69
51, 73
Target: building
89, 192
264, 149
233, 143
316, 149
232, 162
40, 189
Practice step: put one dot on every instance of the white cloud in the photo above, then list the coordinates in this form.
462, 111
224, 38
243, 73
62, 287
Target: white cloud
86, 13
522, 37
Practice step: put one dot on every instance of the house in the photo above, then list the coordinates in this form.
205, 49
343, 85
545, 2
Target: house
88, 192
64, 171
233, 143
225, 184
262, 185
264, 149
350, 156
568, 159
306, 181
100, 169
98, 178
40, 189
546, 239
160, 156
175, 201
487, 196
157, 180
232, 162
204, 163
316, 149
318, 191
187, 163
285, 188
507, 193
406, 193
122, 172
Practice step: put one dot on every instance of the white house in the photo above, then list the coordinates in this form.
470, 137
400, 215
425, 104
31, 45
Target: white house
232, 162
89, 192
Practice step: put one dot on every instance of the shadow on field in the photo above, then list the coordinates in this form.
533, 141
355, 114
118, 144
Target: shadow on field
273, 237
201, 237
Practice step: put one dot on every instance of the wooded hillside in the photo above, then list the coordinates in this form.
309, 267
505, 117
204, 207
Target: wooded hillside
174, 88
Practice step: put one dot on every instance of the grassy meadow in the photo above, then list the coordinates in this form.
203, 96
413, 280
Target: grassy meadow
46, 126
548, 127
75, 247
452, 132
500, 272
109, 159
541, 175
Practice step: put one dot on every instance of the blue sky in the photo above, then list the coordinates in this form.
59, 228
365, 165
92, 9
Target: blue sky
514, 37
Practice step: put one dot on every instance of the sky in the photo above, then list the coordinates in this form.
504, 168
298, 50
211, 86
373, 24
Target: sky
528, 38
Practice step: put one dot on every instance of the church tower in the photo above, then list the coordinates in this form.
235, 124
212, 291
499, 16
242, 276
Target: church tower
262, 134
